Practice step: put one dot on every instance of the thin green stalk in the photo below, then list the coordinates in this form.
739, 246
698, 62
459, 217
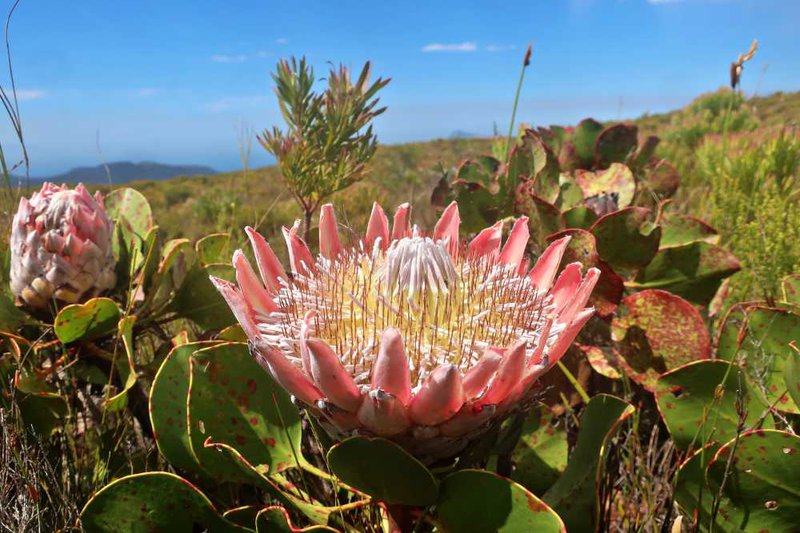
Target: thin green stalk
525, 64
574, 381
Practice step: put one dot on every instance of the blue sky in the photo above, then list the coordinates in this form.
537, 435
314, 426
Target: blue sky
174, 81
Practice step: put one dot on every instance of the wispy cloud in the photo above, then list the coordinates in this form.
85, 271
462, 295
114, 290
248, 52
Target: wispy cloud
282, 40
25, 95
227, 58
468, 46
145, 92
500, 47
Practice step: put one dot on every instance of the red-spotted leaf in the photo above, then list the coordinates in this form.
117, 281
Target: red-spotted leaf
791, 289
758, 484
153, 501
627, 239
232, 400
540, 456
478, 501
615, 179
603, 359
763, 345
168, 401
656, 331
698, 402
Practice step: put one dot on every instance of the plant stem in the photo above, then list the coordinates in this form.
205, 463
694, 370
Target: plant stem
525, 64
574, 381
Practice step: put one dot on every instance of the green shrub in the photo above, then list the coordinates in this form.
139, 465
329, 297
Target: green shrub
751, 196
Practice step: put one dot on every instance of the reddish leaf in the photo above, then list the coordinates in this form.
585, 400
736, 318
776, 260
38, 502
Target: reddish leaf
656, 331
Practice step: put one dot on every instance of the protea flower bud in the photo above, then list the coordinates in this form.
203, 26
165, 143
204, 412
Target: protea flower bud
413, 337
61, 247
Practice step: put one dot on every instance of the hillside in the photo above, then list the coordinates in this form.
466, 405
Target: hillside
121, 172
192, 206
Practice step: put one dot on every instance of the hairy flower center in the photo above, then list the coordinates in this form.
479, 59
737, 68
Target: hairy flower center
448, 311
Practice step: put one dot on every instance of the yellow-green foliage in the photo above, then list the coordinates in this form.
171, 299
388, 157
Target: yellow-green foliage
751, 194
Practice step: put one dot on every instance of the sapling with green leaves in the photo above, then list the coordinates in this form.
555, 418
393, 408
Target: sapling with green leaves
329, 138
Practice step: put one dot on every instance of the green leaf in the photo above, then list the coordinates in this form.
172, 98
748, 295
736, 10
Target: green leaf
131, 209
275, 519
133, 220
678, 229
698, 403
153, 501
760, 492
46, 412
615, 144
626, 239
168, 402
214, 249
199, 301
616, 179
766, 352
541, 453
656, 331
661, 178
544, 218
232, 400
579, 217
383, 470
584, 138
125, 366
95, 318
477, 501
533, 160
691, 489
792, 376
693, 271
177, 258
790, 286
573, 496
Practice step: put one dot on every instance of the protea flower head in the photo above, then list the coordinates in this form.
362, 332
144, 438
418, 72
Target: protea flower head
61, 247
416, 337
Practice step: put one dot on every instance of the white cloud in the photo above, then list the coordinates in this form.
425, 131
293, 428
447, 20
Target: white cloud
263, 53
282, 40
468, 46
500, 47
25, 95
225, 58
144, 92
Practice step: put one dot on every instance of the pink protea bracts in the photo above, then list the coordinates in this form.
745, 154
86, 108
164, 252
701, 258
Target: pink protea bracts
61, 247
417, 338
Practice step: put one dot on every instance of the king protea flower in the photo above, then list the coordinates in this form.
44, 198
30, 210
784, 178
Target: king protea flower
410, 336
61, 247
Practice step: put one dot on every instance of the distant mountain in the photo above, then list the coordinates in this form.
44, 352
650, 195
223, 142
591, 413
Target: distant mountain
125, 171
461, 134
